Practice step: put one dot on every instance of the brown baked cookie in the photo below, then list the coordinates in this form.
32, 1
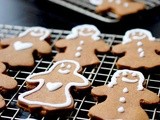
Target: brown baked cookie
19, 51
119, 7
139, 50
6, 84
52, 91
81, 45
125, 95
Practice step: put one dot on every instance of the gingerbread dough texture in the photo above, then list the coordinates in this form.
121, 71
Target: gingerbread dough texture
119, 7
139, 50
6, 84
52, 88
81, 45
124, 96
18, 51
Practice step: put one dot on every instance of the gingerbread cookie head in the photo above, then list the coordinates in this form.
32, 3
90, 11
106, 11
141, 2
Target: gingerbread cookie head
125, 94
141, 46
84, 30
55, 84
21, 48
137, 34
81, 45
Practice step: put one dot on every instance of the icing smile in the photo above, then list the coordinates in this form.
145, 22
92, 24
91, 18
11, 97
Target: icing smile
129, 80
63, 71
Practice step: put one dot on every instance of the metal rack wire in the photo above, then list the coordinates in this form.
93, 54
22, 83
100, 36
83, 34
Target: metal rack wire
86, 8
97, 75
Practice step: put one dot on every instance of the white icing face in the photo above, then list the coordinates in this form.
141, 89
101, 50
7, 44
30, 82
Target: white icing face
137, 34
18, 45
84, 30
140, 78
40, 32
64, 69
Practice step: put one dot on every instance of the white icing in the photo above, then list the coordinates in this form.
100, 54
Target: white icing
118, 1
81, 42
40, 32
139, 37
120, 109
96, 2
122, 99
78, 30
141, 54
139, 43
124, 79
79, 48
63, 71
140, 50
68, 102
125, 90
134, 74
118, 72
68, 66
18, 45
77, 54
62, 65
127, 39
53, 86
124, 73
126, 4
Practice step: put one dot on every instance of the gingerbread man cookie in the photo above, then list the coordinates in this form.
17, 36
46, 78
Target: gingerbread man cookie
55, 84
139, 49
119, 7
19, 51
81, 45
6, 84
125, 93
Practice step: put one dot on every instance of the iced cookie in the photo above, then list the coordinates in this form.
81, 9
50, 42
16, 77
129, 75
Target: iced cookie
18, 51
6, 84
81, 45
52, 91
124, 96
140, 50
119, 7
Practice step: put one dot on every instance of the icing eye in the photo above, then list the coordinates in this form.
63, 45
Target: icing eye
68, 66
134, 74
62, 65
124, 73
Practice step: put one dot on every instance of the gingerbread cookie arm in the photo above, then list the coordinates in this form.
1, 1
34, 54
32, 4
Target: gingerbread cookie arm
62, 43
6, 41
118, 49
45, 48
149, 97
157, 46
99, 91
101, 8
2, 102
101, 46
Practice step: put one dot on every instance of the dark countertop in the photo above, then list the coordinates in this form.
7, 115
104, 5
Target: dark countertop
47, 14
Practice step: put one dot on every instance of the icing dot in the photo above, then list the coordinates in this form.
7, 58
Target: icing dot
81, 42
140, 50
110, 85
62, 65
78, 54
68, 66
126, 4
125, 90
79, 48
124, 73
141, 54
120, 109
134, 74
139, 43
122, 99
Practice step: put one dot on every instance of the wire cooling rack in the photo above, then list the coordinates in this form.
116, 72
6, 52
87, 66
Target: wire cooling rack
97, 75
86, 8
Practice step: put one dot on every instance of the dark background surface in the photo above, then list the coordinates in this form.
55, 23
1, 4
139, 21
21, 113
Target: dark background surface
50, 15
